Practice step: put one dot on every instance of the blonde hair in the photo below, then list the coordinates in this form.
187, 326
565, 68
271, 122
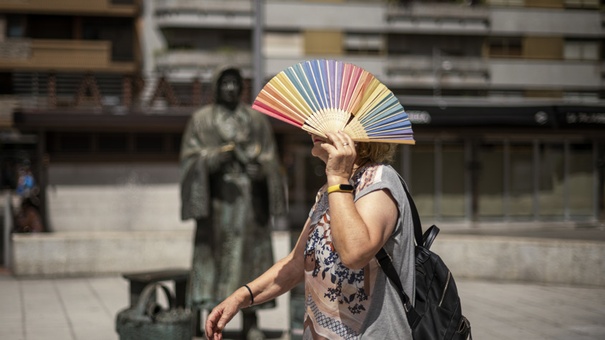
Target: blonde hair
375, 152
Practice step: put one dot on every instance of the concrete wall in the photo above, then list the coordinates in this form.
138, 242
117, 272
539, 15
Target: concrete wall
89, 253
63, 254
573, 262
115, 197
549, 261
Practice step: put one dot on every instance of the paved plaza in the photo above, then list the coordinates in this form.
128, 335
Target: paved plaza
85, 309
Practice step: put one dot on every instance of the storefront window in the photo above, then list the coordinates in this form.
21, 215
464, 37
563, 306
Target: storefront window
490, 190
453, 198
497, 180
551, 182
422, 168
581, 181
520, 199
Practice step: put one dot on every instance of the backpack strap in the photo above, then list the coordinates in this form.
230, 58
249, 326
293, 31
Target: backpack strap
387, 265
415, 215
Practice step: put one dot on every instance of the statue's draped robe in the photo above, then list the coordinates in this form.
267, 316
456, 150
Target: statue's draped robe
232, 210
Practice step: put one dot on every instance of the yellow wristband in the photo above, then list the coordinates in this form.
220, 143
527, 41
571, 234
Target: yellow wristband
340, 188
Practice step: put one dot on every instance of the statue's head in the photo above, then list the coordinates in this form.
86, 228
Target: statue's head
229, 86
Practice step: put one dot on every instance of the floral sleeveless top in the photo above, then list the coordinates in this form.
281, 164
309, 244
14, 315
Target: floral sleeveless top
337, 298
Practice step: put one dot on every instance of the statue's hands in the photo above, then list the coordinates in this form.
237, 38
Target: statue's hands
247, 152
228, 147
247, 157
226, 152
254, 170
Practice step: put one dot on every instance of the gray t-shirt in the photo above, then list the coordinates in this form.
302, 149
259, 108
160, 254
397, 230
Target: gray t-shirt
342, 303
386, 318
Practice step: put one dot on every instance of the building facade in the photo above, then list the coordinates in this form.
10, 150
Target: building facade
506, 96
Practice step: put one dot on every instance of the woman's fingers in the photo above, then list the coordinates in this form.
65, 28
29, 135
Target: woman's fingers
341, 154
210, 326
214, 330
340, 141
337, 139
219, 317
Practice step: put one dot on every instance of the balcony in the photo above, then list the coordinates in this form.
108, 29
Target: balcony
90, 7
192, 13
410, 71
546, 74
193, 63
422, 71
439, 18
60, 55
208, 6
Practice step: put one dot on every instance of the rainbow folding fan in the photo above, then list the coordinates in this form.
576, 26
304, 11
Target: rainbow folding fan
322, 96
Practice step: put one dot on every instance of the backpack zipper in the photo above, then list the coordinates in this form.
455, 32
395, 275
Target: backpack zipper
447, 283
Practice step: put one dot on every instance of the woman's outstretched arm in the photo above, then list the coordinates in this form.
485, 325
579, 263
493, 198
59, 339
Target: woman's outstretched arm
280, 278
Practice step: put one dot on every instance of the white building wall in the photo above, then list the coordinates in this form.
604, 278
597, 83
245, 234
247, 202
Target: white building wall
312, 15
544, 74
545, 22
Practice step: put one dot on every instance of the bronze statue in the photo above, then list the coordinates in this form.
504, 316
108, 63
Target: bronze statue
231, 184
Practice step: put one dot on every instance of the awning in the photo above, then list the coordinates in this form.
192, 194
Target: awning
493, 115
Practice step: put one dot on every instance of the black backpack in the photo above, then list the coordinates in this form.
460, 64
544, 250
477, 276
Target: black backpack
437, 313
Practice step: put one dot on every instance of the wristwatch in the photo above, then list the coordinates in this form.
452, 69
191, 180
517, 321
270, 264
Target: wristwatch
340, 188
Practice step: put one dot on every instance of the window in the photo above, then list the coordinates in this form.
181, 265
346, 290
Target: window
583, 97
505, 47
6, 83
62, 27
521, 186
506, 94
149, 142
581, 50
551, 180
581, 3
364, 44
15, 26
75, 142
452, 177
112, 142
118, 31
422, 184
490, 181
283, 45
581, 180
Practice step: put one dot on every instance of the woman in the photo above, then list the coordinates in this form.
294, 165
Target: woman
347, 294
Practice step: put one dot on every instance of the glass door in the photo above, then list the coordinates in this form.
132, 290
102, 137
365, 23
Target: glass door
452, 201
551, 181
581, 181
491, 181
520, 173
422, 178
